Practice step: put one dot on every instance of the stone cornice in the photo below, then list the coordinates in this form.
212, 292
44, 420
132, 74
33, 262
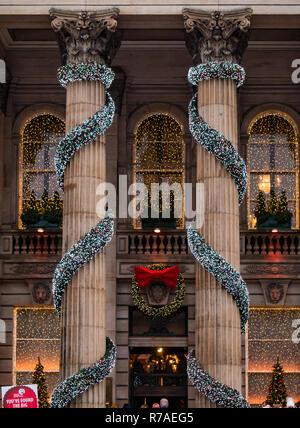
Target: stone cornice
86, 35
217, 36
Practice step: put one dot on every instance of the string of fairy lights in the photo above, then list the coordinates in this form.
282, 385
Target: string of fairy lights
97, 238
226, 275
272, 334
39, 140
273, 162
159, 154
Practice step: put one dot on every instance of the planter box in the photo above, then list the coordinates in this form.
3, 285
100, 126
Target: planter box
43, 224
162, 223
272, 222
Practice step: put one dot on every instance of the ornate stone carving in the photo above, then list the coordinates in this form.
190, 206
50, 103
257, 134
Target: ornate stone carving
41, 293
270, 269
86, 36
275, 292
158, 293
216, 36
23, 268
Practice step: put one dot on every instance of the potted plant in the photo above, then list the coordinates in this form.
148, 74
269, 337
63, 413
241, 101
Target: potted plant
30, 214
45, 213
165, 223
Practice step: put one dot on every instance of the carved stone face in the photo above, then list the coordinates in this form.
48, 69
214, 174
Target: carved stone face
157, 291
275, 292
41, 293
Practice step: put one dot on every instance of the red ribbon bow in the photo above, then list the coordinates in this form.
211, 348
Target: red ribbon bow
144, 276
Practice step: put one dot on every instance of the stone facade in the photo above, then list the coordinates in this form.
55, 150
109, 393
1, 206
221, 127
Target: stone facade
151, 64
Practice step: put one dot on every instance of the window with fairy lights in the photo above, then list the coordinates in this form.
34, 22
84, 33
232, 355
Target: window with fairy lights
40, 199
159, 158
273, 166
36, 335
273, 333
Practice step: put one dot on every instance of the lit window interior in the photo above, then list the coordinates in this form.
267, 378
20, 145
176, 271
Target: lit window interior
272, 334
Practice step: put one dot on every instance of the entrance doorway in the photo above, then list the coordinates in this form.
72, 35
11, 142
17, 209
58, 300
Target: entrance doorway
157, 373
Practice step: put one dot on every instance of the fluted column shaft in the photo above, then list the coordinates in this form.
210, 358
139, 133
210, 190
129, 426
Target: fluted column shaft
83, 310
218, 327
218, 36
86, 36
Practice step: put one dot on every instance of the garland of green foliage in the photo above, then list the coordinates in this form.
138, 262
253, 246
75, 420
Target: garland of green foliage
163, 311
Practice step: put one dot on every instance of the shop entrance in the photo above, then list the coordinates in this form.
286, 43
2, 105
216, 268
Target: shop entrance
157, 373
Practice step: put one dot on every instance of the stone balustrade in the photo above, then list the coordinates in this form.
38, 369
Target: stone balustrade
142, 242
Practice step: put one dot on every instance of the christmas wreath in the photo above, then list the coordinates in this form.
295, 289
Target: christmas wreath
144, 276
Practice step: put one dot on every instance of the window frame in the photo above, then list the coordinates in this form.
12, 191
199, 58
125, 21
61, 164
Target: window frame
269, 372
20, 168
136, 222
14, 344
292, 122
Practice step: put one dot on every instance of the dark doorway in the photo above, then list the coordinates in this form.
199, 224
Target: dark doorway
157, 373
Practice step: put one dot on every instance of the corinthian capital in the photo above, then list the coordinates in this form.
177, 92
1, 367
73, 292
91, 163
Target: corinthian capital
217, 36
86, 35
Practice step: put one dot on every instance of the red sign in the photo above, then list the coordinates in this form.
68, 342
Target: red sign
20, 397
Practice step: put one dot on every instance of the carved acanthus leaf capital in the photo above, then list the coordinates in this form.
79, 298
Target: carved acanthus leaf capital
86, 35
217, 36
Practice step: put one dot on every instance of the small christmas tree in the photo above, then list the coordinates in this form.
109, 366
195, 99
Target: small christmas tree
273, 203
57, 202
284, 216
38, 378
46, 202
283, 205
53, 213
30, 213
277, 389
260, 209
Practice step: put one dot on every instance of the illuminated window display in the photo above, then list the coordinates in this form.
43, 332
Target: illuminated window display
273, 165
159, 157
272, 334
39, 140
36, 334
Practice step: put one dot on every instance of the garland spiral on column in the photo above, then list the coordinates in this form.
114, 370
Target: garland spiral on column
215, 264
93, 241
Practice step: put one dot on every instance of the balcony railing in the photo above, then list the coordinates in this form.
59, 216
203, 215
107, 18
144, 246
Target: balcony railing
253, 243
142, 242
30, 242
256, 243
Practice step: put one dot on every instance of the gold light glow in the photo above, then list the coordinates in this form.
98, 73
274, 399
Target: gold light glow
270, 336
40, 135
36, 334
264, 183
273, 160
159, 155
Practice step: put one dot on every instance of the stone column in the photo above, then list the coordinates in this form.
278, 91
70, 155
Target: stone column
84, 36
218, 37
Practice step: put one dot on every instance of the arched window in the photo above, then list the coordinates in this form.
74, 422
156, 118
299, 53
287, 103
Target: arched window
159, 158
38, 188
273, 172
